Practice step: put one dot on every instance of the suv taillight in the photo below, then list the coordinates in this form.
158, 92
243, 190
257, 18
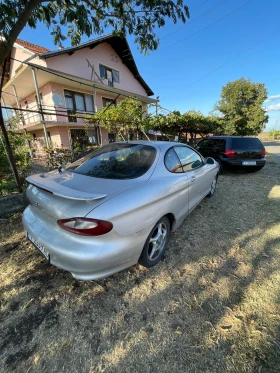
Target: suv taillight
263, 153
230, 153
85, 226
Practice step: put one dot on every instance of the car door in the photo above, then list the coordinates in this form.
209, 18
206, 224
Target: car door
202, 147
180, 204
199, 174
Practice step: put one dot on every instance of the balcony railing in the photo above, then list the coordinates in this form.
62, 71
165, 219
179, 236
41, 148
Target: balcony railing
32, 115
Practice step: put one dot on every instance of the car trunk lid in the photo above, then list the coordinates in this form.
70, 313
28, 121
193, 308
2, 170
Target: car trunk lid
67, 194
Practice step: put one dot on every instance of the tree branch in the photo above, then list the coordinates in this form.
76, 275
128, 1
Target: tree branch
6, 46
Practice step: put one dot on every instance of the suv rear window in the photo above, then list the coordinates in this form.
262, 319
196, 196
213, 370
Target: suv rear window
247, 143
116, 161
211, 144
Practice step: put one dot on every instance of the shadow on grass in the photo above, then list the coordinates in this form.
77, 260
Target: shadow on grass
209, 307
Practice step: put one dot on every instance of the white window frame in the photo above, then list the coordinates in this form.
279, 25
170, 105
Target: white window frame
109, 68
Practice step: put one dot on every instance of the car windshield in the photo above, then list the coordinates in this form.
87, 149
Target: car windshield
116, 161
246, 143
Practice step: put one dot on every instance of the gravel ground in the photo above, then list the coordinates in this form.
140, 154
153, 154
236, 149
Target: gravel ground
213, 304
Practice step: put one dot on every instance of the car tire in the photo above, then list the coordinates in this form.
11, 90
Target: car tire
221, 169
213, 187
157, 241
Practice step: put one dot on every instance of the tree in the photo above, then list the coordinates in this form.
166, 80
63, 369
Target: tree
128, 117
192, 122
241, 106
75, 18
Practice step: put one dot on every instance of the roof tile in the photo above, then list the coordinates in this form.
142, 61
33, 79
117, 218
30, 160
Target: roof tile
32, 47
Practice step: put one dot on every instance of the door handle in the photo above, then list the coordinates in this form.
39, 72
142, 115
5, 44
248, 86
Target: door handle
192, 179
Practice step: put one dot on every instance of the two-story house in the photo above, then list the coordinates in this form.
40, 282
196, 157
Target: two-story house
52, 85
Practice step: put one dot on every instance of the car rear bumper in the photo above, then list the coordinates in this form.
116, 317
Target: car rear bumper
239, 162
87, 258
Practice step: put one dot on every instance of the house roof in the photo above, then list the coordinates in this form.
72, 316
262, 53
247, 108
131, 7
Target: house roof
32, 47
120, 45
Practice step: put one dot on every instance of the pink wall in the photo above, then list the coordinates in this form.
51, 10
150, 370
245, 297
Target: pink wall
46, 91
76, 64
22, 54
59, 138
59, 89
64, 137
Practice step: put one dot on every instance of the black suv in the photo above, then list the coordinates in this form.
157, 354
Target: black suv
234, 151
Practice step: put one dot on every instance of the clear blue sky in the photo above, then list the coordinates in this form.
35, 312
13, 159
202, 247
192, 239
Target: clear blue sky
219, 43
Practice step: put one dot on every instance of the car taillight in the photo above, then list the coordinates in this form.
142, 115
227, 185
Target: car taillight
263, 153
230, 153
85, 226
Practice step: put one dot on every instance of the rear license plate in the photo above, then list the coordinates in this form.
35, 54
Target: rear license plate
249, 163
38, 246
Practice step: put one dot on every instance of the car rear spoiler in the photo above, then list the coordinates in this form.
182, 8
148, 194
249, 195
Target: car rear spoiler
57, 189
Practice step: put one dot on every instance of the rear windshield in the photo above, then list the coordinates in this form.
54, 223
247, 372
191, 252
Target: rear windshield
116, 161
248, 143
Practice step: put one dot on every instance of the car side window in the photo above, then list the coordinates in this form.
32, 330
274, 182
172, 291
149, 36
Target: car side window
189, 159
172, 162
203, 144
216, 144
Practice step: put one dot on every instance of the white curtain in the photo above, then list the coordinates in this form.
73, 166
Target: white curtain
89, 103
80, 104
69, 103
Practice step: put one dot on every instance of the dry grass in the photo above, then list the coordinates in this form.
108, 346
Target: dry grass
213, 305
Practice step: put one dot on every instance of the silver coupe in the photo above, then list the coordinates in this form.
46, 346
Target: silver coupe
116, 206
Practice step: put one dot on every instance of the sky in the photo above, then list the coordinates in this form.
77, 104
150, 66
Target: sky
222, 41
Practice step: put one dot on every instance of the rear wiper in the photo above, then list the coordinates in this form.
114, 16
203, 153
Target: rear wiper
61, 166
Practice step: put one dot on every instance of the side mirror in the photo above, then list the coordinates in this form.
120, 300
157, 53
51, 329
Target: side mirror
210, 160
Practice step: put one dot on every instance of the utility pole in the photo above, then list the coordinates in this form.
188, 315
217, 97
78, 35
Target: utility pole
157, 98
5, 135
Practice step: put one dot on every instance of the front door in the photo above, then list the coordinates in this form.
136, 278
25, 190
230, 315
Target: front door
198, 175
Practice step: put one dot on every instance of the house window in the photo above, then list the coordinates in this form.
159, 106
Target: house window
78, 102
109, 74
106, 101
112, 136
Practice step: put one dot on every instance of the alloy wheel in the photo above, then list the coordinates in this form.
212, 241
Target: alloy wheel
157, 241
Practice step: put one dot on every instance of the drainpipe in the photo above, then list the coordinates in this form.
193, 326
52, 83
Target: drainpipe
40, 107
18, 105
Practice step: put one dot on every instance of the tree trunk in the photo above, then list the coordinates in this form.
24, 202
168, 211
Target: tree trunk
6, 138
6, 46
191, 139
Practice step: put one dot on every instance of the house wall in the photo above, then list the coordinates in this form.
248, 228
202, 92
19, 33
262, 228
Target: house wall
46, 91
59, 138
59, 89
104, 54
22, 54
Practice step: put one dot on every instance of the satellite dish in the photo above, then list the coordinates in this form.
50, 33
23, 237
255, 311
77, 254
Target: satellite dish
57, 99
